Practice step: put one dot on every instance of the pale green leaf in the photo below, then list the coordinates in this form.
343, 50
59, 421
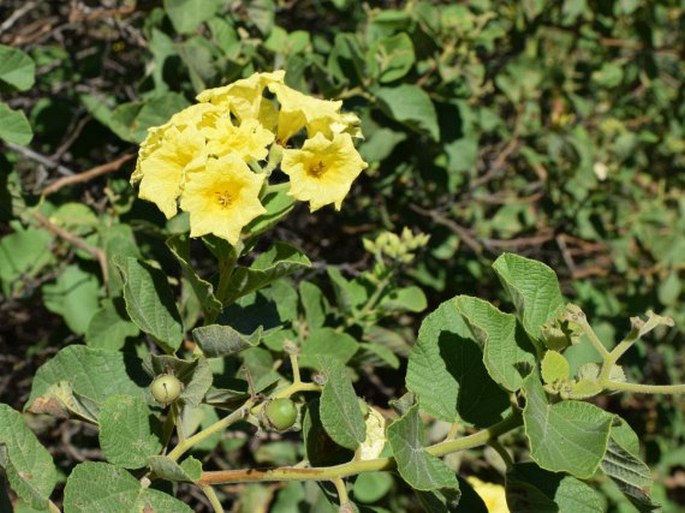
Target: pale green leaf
150, 303
447, 373
27, 464
554, 367
75, 296
507, 354
217, 340
411, 105
110, 327
186, 15
16, 68
569, 436
421, 470
339, 409
327, 342
533, 287
92, 373
96, 486
126, 435
189, 469
14, 127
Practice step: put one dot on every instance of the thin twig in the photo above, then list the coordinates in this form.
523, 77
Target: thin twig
41, 159
87, 175
75, 241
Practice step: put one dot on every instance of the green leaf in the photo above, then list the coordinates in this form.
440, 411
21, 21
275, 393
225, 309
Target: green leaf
74, 296
14, 127
507, 354
405, 299
349, 294
339, 409
554, 367
189, 470
150, 303
632, 476
126, 435
569, 436
26, 463
314, 304
204, 291
411, 105
92, 373
16, 68
22, 255
327, 342
447, 373
217, 340
186, 15
278, 204
278, 261
96, 486
531, 489
110, 327
421, 470
391, 57
534, 289
370, 487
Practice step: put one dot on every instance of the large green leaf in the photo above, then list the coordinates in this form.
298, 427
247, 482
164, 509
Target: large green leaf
96, 486
14, 127
569, 436
74, 295
391, 57
339, 408
126, 435
150, 303
533, 287
447, 374
531, 489
411, 105
278, 261
507, 353
421, 470
23, 254
16, 68
26, 463
93, 374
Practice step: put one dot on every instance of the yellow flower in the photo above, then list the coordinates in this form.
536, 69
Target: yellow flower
300, 111
244, 98
162, 169
198, 117
248, 140
493, 495
222, 197
322, 172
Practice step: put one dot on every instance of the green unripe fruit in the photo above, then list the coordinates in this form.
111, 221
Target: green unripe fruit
166, 388
281, 414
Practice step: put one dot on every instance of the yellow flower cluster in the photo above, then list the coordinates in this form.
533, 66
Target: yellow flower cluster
205, 159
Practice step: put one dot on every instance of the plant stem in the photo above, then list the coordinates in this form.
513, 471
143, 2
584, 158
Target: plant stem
341, 489
213, 499
52, 507
220, 425
638, 388
357, 466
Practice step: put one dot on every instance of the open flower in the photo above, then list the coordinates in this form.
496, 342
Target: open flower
162, 170
196, 117
244, 98
248, 140
222, 197
322, 171
300, 111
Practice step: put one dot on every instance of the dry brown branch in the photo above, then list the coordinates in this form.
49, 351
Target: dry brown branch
87, 175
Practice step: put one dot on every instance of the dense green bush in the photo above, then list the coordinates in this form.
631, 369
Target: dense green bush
553, 130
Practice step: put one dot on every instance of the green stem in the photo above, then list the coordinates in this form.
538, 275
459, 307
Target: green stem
577, 316
213, 499
356, 466
638, 388
297, 386
371, 302
506, 457
341, 489
52, 507
220, 425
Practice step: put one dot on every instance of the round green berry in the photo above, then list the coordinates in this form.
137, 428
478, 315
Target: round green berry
166, 388
281, 414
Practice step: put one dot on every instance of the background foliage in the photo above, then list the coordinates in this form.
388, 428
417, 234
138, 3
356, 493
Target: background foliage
550, 129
